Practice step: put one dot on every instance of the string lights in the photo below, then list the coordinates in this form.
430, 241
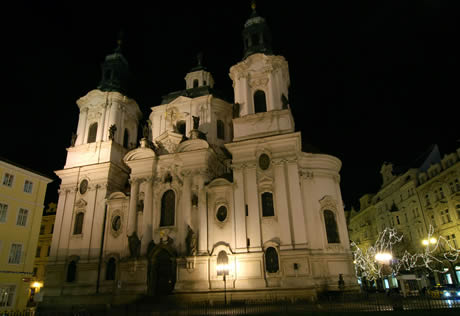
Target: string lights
379, 260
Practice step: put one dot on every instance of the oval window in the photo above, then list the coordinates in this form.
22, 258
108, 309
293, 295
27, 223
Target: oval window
222, 213
264, 161
116, 223
83, 186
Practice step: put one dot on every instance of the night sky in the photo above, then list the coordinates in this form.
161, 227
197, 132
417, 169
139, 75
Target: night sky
371, 81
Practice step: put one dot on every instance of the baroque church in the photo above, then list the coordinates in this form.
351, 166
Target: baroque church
214, 196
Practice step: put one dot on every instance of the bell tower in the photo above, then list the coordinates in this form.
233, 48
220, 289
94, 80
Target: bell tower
261, 83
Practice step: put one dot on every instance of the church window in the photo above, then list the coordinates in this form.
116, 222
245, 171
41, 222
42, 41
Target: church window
92, 133
78, 227
267, 204
110, 270
220, 129
71, 271
221, 213
271, 260
260, 103
204, 82
264, 161
83, 186
195, 83
126, 138
168, 208
181, 127
116, 223
222, 263
331, 227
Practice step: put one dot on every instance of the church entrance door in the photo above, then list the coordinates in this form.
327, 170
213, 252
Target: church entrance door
163, 273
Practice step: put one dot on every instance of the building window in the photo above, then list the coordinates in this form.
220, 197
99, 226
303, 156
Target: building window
37, 253
83, 186
260, 103
71, 271
264, 161
168, 208
441, 194
78, 227
397, 220
445, 217
28, 186
7, 295
3, 212
220, 129
8, 179
48, 251
34, 272
110, 270
267, 204
271, 260
126, 138
22, 217
222, 261
42, 230
92, 132
15, 254
331, 227
221, 214
195, 83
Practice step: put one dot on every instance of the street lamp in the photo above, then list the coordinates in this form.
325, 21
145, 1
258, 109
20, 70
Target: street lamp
222, 269
383, 257
426, 242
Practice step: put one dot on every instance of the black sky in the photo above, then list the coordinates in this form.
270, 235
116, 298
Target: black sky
371, 81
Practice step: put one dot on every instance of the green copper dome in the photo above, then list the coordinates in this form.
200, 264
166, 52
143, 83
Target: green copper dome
115, 72
256, 35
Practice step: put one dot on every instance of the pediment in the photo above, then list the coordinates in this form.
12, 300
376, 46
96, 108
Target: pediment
180, 99
117, 196
139, 153
191, 145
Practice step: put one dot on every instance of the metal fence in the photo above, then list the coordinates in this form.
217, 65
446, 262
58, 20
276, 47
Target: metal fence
328, 304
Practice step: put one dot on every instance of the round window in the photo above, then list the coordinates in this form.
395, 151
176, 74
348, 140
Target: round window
264, 161
221, 213
83, 186
116, 223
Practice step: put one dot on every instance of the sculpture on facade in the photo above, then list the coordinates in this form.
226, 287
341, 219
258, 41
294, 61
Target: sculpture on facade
112, 130
73, 139
236, 110
191, 241
134, 245
196, 122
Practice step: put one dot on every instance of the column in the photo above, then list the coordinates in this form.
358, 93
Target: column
105, 134
240, 210
121, 126
282, 205
203, 218
185, 218
272, 102
147, 228
81, 126
298, 218
132, 214
253, 220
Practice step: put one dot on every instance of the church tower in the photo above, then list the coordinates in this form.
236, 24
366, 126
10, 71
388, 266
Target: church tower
107, 130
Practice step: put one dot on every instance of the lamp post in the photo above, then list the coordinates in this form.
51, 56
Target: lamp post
222, 269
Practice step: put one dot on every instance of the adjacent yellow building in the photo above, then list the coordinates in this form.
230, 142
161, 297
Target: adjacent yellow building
22, 194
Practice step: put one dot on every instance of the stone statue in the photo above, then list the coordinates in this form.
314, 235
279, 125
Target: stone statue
196, 122
73, 139
285, 102
236, 110
191, 242
134, 245
112, 130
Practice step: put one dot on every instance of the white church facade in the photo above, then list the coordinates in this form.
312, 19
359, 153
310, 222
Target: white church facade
214, 194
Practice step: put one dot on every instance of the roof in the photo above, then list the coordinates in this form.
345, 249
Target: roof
193, 93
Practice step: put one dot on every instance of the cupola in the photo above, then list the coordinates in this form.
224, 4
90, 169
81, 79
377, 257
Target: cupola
256, 35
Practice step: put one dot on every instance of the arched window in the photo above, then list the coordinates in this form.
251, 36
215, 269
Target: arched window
260, 103
181, 127
168, 208
267, 204
220, 129
110, 269
71, 271
195, 83
331, 227
271, 260
92, 132
222, 263
78, 227
126, 138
